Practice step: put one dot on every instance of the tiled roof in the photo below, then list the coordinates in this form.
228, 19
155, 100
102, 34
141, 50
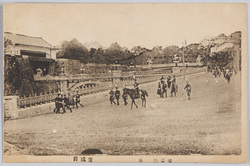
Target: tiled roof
27, 40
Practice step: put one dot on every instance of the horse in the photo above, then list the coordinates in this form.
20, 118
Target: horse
133, 95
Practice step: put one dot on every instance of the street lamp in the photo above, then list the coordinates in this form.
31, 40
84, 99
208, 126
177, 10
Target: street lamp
82, 69
183, 59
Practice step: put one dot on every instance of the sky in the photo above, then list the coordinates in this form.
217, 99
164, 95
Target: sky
147, 25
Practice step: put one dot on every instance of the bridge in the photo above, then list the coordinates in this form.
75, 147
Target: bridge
19, 107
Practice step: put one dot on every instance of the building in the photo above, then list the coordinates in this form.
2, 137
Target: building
40, 54
229, 50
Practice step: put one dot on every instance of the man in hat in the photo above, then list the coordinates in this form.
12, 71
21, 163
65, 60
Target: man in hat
162, 79
164, 88
173, 86
66, 102
78, 101
56, 103
60, 104
111, 97
71, 100
169, 81
188, 89
117, 95
124, 96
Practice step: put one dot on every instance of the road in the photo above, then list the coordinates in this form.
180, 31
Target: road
209, 123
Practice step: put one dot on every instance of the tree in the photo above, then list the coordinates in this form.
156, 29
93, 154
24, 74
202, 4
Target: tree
116, 53
74, 50
12, 77
169, 53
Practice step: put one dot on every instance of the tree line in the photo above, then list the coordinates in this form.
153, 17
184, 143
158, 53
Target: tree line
117, 54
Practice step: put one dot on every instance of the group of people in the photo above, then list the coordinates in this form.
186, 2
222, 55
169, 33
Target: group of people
164, 86
63, 101
115, 95
216, 71
172, 86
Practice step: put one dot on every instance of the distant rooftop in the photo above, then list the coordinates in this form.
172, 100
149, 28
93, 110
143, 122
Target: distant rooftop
27, 40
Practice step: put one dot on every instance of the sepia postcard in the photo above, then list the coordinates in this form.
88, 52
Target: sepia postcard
140, 83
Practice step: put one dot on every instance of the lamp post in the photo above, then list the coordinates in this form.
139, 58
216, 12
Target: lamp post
183, 59
82, 69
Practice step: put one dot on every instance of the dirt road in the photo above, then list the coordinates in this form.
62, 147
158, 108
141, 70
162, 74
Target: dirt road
209, 123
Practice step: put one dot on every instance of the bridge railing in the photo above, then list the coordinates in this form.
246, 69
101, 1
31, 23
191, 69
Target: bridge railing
33, 100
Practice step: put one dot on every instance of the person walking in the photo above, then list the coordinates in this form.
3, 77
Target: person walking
188, 89
71, 100
56, 103
60, 104
66, 102
111, 96
78, 100
117, 95
173, 86
169, 81
125, 97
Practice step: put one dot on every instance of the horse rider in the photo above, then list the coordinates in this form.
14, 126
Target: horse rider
117, 95
136, 87
60, 104
111, 96
66, 102
188, 89
124, 96
78, 100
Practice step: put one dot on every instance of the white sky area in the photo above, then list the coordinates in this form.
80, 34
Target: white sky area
130, 25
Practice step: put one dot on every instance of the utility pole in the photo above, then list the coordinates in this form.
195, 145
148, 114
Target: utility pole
183, 60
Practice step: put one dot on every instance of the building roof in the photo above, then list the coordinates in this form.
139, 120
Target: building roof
27, 40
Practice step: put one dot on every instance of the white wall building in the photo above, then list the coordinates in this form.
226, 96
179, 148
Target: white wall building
30, 46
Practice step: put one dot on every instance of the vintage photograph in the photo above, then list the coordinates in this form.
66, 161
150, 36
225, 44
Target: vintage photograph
155, 83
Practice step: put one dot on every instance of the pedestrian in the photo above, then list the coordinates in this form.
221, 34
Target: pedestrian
66, 102
169, 81
56, 103
173, 86
188, 89
162, 79
71, 100
159, 89
125, 96
111, 98
117, 95
164, 89
60, 104
78, 100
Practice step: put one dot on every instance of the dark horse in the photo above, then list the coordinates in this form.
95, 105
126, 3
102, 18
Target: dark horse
133, 96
